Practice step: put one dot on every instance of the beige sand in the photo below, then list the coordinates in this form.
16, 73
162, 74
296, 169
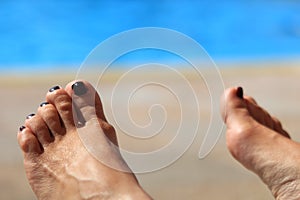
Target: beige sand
218, 176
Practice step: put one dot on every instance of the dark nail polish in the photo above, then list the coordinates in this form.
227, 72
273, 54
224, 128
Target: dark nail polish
79, 88
43, 104
54, 88
22, 128
30, 115
240, 92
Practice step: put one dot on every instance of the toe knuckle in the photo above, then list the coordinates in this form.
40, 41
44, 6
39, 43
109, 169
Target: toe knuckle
25, 140
46, 110
64, 105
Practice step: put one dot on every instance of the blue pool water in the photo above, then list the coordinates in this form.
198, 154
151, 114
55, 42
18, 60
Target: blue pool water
52, 32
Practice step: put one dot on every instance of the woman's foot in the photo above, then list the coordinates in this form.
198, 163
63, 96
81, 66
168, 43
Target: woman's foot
258, 141
58, 165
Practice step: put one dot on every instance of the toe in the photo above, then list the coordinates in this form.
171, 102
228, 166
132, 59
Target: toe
88, 107
86, 100
237, 119
234, 109
39, 128
51, 118
28, 141
251, 99
263, 117
62, 102
258, 113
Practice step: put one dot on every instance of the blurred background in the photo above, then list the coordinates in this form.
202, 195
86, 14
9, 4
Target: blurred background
51, 33
254, 43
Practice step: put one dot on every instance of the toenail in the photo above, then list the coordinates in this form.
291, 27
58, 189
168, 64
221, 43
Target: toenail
30, 116
79, 88
22, 128
43, 104
240, 92
54, 88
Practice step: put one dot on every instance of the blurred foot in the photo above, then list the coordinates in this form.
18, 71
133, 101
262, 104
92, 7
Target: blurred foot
258, 141
58, 165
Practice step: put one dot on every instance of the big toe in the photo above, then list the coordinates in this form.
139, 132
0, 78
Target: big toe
87, 107
97, 135
234, 109
86, 100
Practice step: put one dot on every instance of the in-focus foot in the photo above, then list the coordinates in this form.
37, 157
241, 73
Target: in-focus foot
258, 141
58, 165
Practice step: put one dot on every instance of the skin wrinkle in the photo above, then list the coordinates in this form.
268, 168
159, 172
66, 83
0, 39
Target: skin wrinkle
286, 190
258, 141
44, 186
65, 169
286, 184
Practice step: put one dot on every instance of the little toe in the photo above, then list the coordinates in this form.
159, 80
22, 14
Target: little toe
38, 127
28, 141
62, 102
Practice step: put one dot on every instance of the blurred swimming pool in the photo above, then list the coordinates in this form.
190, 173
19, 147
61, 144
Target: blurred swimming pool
52, 32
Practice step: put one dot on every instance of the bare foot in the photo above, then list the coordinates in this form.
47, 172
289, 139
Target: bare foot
258, 141
58, 165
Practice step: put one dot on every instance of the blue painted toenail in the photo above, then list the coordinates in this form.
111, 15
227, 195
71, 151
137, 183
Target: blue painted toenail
54, 88
240, 92
30, 116
22, 128
79, 88
43, 104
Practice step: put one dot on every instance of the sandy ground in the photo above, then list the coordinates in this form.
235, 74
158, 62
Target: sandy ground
218, 176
